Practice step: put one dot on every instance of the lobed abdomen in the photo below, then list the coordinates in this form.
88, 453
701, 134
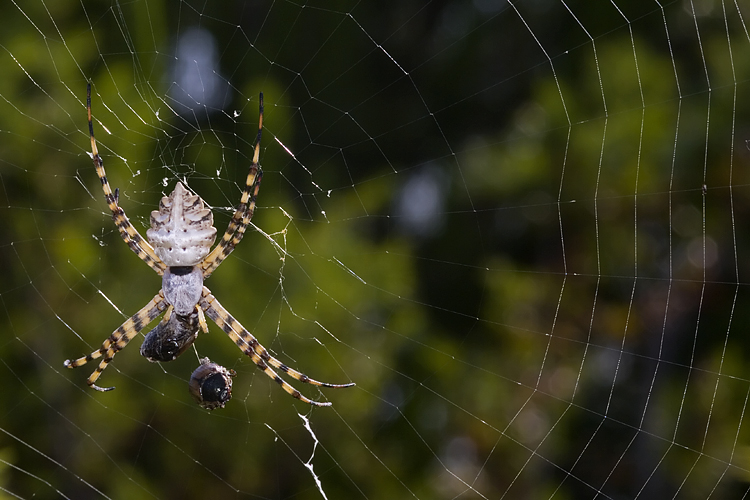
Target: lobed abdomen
182, 230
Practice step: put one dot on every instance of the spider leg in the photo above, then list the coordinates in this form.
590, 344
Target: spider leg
241, 218
202, 321
119, 339
260, 356
130, 234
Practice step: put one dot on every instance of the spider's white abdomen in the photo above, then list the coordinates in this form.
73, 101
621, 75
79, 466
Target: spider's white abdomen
182, 230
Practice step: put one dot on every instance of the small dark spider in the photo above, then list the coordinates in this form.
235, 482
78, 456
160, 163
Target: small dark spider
211, 385
182, 233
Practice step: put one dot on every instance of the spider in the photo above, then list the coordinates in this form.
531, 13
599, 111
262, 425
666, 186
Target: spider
179, 249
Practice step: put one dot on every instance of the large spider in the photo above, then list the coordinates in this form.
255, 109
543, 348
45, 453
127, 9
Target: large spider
180, 237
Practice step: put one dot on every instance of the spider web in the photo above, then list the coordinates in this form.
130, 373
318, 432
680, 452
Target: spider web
517, 226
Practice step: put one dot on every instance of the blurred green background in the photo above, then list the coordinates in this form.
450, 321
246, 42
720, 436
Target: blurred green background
519, 228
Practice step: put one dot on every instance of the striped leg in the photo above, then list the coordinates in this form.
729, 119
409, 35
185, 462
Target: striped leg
241, 218
260, 356
119, 339
129, 233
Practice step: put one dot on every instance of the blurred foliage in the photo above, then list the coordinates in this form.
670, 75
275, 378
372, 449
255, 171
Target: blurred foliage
570, 322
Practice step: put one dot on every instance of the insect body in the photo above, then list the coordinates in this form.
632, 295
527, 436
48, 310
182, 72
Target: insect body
179, 249
211, 385
173, 335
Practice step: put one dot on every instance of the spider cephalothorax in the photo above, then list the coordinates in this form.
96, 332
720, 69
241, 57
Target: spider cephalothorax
179, 249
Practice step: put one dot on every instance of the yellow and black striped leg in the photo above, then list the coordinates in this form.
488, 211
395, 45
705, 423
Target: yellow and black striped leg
129, 234
119, 339
260, 356
241, 218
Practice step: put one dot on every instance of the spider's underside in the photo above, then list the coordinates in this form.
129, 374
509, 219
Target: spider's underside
179, 249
